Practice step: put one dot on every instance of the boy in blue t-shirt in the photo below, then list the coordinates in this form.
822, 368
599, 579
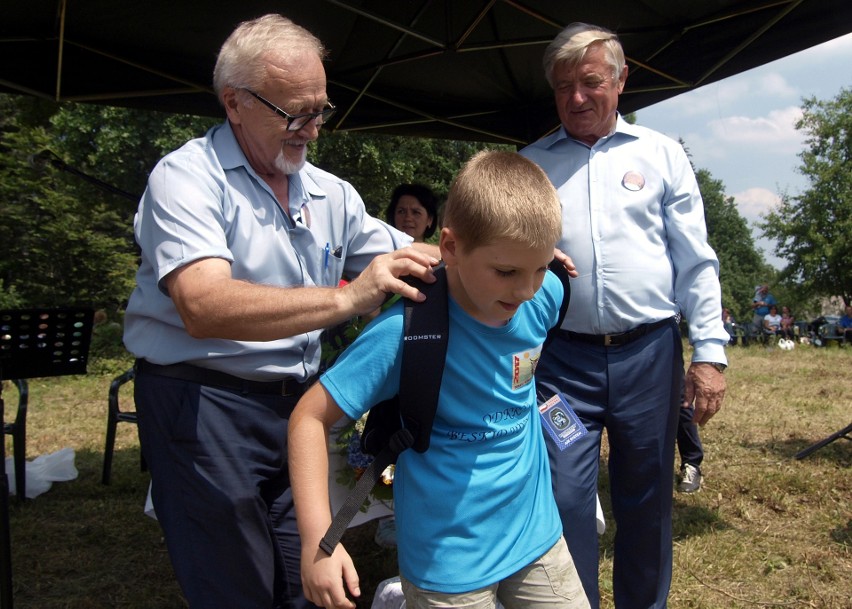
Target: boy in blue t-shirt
476, 517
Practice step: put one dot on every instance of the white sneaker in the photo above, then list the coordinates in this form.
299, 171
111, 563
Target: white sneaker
690, 479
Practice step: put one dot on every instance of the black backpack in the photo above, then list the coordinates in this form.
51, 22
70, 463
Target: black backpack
405, 421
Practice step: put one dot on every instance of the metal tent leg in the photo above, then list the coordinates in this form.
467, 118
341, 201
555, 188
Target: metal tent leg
843, 433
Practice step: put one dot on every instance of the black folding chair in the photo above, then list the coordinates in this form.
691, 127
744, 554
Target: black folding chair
116, 415
33, 343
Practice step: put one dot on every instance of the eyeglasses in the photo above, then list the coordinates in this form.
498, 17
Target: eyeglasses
296, 122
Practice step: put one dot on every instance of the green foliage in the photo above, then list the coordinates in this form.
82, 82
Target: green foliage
120, 146
107, 354
741, 266
53, 236
376, 164
813, 230
70, 179
9, 299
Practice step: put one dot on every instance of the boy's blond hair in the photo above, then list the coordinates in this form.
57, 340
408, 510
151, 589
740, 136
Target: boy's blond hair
500, 195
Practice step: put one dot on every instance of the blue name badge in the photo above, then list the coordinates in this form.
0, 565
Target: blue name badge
561, 422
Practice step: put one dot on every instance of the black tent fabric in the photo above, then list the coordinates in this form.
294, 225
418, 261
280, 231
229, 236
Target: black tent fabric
460, 69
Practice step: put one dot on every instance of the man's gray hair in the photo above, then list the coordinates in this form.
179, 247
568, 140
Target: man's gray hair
243, 57
570, 46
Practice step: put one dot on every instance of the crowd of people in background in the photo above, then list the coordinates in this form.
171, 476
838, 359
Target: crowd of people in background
773, 322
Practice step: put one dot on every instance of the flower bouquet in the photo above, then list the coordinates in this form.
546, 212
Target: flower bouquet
356, 463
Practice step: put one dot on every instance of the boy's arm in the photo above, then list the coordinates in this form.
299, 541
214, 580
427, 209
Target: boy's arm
323, 576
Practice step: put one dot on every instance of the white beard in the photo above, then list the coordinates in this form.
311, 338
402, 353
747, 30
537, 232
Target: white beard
288, 167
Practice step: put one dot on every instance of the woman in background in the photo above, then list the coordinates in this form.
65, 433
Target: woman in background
413, 210
772, 321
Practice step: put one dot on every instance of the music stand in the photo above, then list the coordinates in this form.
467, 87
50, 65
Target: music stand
35, 343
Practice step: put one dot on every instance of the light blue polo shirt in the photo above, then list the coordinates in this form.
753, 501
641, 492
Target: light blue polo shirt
204, 200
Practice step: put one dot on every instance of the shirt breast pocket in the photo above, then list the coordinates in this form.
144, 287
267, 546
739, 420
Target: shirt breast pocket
330, 265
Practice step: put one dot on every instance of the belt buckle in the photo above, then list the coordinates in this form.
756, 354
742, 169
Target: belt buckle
607, 340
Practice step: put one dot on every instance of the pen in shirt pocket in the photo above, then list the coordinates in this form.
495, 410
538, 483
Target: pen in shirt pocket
337, 253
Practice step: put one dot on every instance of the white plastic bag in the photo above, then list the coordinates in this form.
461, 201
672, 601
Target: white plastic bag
43, 471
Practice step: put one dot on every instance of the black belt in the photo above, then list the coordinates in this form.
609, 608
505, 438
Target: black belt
214, 378
617, 340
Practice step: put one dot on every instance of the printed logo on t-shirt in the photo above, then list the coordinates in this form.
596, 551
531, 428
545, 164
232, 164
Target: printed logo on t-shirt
523, 367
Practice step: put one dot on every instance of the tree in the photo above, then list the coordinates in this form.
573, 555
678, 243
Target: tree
741, 266
70, 179
120, 146
376, 164
813, 230
60, 244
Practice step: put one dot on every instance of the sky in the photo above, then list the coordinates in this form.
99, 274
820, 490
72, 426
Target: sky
742, 129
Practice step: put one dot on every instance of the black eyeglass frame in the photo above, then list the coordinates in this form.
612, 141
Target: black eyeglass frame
323, 115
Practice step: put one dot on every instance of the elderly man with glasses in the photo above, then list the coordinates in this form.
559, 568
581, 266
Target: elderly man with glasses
243, 246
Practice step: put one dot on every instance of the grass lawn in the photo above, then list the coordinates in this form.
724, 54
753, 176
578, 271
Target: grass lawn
765, 531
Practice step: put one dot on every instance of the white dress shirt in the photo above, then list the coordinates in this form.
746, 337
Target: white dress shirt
633, 222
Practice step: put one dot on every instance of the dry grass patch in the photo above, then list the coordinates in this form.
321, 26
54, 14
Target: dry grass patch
766, 530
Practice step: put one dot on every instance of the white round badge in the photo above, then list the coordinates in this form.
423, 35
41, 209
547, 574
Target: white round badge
633, 180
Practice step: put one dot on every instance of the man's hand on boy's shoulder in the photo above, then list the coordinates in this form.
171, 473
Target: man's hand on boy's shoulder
430, 249
323, 578
566, 261
383, 277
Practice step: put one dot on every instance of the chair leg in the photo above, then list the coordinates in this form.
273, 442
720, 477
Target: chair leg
112, 423
19, 450
114, 417
19, 439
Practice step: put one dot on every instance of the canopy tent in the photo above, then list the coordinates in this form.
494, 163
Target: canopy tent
461, 69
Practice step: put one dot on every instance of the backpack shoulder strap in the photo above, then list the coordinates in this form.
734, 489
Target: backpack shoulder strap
559, 270
424, 352
425, 334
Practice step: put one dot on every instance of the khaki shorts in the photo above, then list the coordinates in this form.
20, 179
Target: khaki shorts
551, 581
